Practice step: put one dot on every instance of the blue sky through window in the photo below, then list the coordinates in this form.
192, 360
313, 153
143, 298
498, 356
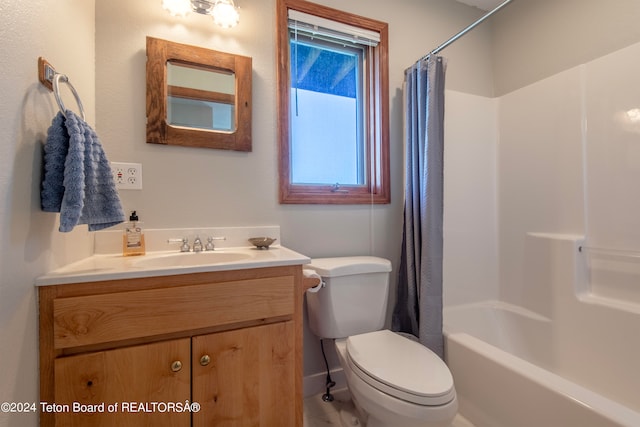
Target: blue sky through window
322, 69
326, 145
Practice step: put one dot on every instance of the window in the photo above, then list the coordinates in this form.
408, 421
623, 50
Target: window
333, 106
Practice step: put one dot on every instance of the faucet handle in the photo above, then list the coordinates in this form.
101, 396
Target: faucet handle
185, 244
210, 246
197, 244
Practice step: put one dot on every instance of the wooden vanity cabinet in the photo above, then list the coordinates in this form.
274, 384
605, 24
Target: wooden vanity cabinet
126, 377
229, 341
248, 379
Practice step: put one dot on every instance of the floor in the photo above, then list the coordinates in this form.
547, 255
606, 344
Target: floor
318, 413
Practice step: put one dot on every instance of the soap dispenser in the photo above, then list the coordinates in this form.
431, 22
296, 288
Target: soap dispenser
133, 238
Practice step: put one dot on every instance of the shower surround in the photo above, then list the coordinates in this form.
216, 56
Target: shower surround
513, 366
568, 164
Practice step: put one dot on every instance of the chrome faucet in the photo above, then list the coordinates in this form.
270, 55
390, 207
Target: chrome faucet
185, 244
210, 246
197, 245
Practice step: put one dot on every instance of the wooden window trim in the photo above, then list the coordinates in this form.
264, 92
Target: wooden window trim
377, 188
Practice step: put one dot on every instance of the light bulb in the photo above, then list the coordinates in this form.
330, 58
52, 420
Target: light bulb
177, 7
225, 14
634, 115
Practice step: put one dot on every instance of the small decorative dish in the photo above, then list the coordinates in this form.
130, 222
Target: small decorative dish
262, 242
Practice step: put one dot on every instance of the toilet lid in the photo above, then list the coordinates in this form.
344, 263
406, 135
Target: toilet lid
400, 367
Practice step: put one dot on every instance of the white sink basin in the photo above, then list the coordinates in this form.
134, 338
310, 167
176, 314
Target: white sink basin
190, 259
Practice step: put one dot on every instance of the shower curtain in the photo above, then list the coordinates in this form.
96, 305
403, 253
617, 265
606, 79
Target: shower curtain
418, 308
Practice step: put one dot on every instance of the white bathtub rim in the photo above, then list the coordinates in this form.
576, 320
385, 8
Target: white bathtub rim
605, 407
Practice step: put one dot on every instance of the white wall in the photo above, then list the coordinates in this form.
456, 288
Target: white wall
612, 173
540, 187
470, 204
63, 33
533, 40
613, 149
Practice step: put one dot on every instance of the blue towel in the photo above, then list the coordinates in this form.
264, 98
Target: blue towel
77, 177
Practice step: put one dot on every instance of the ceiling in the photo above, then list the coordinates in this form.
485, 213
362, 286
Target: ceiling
482, 4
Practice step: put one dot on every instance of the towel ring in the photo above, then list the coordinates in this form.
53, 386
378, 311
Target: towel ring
56, 91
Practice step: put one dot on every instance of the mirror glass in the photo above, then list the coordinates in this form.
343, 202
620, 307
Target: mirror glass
197, 97
201, 98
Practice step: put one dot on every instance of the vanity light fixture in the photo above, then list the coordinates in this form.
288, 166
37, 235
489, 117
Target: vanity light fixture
224, 12
633, 115
177, 7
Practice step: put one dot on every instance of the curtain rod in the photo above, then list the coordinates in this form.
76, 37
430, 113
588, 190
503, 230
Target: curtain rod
466, 30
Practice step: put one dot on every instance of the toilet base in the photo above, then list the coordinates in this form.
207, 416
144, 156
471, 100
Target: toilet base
350, 418
381, 410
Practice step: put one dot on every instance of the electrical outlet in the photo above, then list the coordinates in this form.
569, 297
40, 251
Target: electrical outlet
127, 176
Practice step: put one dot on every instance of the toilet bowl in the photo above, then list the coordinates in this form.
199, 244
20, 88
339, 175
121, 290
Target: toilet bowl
393, 381
397, 382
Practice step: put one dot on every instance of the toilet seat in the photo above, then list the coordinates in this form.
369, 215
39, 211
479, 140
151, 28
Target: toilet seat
400, 367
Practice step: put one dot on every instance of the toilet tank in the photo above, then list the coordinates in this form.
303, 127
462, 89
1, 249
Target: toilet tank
354, 298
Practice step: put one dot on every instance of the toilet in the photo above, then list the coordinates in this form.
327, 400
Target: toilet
394, 381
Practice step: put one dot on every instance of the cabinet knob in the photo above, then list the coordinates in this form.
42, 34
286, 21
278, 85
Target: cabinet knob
205, 360
176, 366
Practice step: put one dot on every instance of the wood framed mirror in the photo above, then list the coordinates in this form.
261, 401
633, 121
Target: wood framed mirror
197, 97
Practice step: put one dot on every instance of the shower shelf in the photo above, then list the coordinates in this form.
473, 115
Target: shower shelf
623, 253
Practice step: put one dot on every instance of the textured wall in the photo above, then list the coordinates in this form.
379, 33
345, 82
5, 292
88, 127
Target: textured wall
63, 33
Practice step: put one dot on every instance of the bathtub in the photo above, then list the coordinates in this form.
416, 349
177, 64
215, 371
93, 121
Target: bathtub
501, 357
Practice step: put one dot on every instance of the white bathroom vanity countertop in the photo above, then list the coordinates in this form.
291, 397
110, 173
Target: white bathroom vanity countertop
165, 263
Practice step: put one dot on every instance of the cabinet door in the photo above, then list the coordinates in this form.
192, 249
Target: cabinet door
245, 377
140, 380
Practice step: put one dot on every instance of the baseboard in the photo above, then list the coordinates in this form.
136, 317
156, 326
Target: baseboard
316, 383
